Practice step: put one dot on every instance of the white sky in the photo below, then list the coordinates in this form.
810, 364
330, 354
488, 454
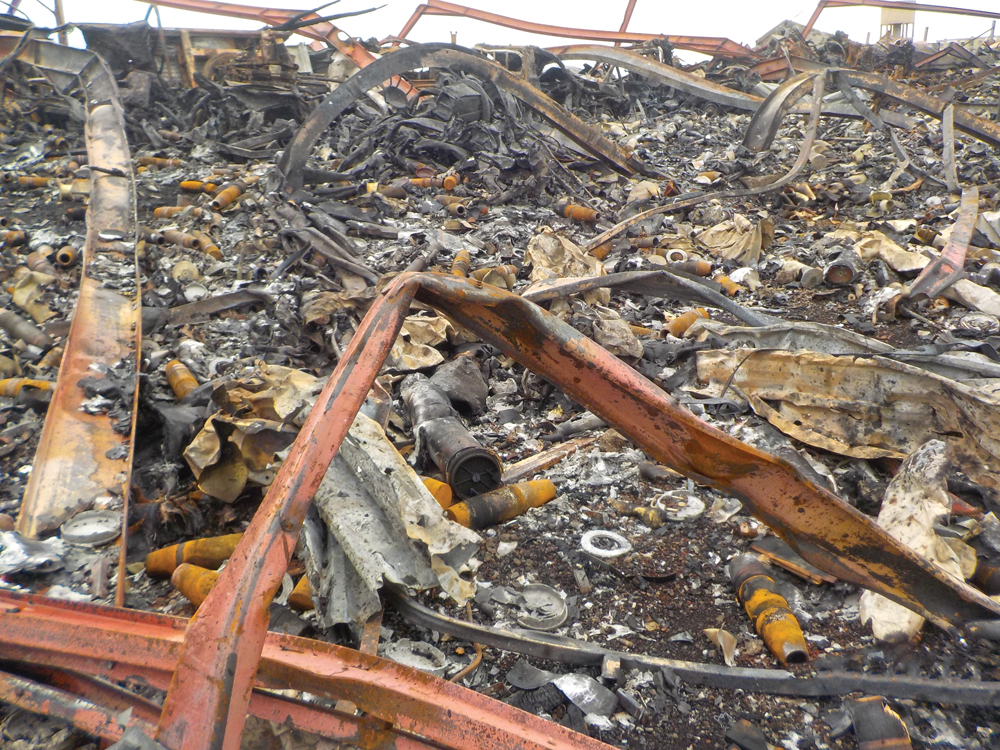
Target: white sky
741, 20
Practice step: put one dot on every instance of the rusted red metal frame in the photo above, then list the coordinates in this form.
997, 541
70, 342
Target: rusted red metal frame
716, 46
404, 708
82, 459
217, 665
92, 718
322, 31
897, 4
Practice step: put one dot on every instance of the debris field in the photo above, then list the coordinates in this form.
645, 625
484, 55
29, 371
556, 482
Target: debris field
395, 395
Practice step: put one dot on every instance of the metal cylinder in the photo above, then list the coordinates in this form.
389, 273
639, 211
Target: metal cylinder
301, 597
181, 380
468, 467
165, 212
229, 193
441, 491
769, 611
38, 260
10, 387
182, 238
205, 553
67, 256
19, 328
843, 269
501, 505
681, 323
460, 266
208, 245
194, 582
576, 212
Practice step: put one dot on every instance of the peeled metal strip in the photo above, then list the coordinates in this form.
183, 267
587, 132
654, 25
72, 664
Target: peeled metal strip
773, 681
85, 459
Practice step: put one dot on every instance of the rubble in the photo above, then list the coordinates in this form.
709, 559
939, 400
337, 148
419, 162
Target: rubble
420, 395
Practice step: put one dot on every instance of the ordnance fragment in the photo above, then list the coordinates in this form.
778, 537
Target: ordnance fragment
38, 260
727, 283
229, 193
448, 183
197, 186
653, 517
13, 237
460, 266
676, 255
643, 243
181, 380
441, 491
573, 211
152, 237
194, 582
792, 270
204, 553
182, 238
208, 245
67, 256
501, 505
10, 387
681, 323
301, 597
165, 212
468, 467
19, 328
457, 209
26, 182
770, 613
446, 200
843, 269
155, 161
693, 267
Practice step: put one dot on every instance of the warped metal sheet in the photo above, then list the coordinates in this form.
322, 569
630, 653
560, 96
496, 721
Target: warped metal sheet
86, 459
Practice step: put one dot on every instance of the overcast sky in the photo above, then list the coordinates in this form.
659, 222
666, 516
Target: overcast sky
740, 20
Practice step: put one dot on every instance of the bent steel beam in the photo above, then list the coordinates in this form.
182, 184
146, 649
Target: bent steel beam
86, 459
446, 56
665, 74
210, 691
323, 31
764, 125
717, 46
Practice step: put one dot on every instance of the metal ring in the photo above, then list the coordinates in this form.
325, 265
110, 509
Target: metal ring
605, 544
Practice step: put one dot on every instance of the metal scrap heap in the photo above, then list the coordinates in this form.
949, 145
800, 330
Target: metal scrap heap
396, 395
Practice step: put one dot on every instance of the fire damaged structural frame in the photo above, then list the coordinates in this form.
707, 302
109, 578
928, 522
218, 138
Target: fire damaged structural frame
218, 667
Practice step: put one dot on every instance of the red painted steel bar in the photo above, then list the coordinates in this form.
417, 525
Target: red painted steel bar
718, 46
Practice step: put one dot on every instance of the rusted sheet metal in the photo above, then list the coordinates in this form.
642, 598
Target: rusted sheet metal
85, 459
32, 696
405, 708
764, 125
323, 31
446, 56
949, 266
898, 4
716, 46
665, 74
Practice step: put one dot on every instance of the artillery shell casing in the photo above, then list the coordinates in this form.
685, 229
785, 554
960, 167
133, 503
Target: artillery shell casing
181, 380
194, 582
204, 553
501, 505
